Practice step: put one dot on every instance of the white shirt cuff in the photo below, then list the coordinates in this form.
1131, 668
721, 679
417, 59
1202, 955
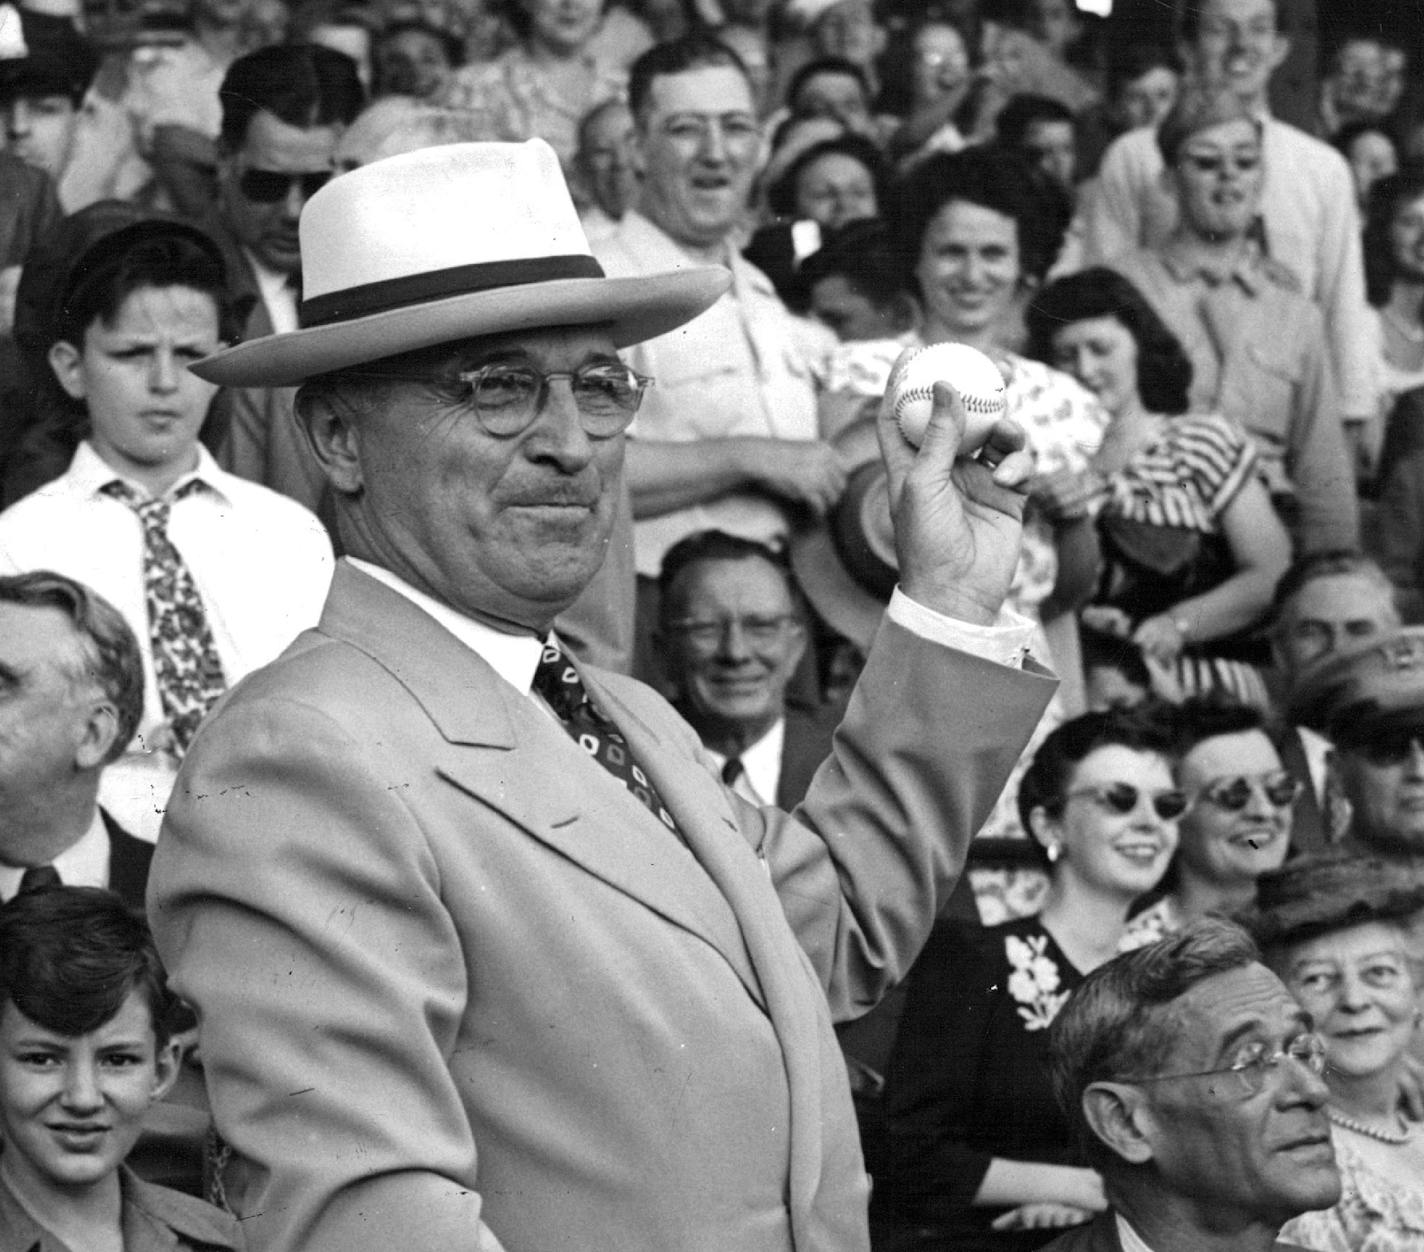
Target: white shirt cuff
1005, 641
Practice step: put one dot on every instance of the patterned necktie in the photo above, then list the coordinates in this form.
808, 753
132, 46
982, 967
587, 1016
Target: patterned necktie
559, 683
185, 658
38, 877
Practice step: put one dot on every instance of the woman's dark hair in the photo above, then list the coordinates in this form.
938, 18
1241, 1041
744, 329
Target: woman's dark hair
71, 956
781, 195
1164, 373
150, 254
993, 178
454, 50
860, 253
825, 65
1128, 64
1045, 785
1387, 197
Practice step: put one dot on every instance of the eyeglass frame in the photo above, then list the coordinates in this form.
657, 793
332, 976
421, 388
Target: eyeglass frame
307, 179
1099, 795
746, 623
1265, 1064
1255, 783
471, 379
1370, 748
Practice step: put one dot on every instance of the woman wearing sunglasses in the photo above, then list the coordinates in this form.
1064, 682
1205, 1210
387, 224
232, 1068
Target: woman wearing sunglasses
978, 1156
1335, 928
1239, 823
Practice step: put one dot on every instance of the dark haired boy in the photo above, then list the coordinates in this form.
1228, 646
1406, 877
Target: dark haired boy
84, 1052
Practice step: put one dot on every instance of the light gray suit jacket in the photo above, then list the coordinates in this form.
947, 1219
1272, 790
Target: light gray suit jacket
456, 984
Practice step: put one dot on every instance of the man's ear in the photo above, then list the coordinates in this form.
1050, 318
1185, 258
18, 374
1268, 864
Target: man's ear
330, 429
1280, 52
1119, 1116
101, 728
167, 1062
65, 360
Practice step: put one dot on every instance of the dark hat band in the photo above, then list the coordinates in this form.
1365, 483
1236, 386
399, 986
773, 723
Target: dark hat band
458, 280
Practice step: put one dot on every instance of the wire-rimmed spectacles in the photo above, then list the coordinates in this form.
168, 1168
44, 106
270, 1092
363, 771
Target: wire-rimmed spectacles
1256, 1061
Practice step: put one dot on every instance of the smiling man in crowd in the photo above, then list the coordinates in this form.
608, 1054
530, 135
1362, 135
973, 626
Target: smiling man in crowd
731, 635
484, 952
727, 439
1193, 1080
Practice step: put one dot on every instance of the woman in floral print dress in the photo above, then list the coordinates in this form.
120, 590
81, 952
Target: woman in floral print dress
977, 1155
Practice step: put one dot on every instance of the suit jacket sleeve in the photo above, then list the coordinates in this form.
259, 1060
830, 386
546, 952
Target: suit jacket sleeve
867, 861
328, 981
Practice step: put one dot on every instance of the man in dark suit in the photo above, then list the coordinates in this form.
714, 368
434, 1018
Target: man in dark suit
732, 634
1194, 1082
484, 952
71, 694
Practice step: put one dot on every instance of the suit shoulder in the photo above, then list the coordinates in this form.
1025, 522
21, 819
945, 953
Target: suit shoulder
196, 1223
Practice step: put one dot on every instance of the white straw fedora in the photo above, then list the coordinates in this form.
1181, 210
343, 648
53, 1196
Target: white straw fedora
448, 243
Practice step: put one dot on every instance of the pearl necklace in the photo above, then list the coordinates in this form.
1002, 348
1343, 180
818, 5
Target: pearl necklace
1395, 1138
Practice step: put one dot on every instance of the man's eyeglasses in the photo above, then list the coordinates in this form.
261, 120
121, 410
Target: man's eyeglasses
1122, 798
1255, 1063
270, 186
1233, 792
507, 398
1221, 162
1393, 747
758, 629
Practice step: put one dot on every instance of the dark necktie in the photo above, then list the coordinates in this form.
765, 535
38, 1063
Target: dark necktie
185, 658
38, 877
732, 769
558, 682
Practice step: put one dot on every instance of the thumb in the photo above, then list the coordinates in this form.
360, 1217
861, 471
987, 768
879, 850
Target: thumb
947, 424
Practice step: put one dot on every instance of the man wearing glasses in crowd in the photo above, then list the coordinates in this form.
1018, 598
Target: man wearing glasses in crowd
485, 953
1193, 1080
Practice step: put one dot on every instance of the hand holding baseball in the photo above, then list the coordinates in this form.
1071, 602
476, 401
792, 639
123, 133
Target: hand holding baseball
958, 519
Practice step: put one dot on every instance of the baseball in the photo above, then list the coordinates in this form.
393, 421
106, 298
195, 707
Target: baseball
969, 371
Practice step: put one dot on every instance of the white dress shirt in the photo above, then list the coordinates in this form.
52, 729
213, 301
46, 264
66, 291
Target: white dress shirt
279, 297
261, 563
82, 864
1131, 1241
761, 765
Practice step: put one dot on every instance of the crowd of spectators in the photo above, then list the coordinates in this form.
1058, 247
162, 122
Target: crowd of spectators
1194, 247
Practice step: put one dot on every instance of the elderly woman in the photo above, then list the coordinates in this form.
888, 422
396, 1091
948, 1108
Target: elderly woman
1191, 548
978, 1155
1335, 928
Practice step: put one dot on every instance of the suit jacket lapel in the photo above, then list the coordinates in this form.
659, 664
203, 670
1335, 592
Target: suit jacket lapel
704, 811
500, 751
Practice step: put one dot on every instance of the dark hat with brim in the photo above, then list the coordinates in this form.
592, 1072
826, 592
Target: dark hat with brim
448, 243
43, 55
845, 562
1363, 692
1329, 891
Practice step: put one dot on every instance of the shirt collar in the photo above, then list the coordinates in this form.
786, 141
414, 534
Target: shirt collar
90, 473
1131, 1241
1246, 272
84, 863
762, 761
513, 657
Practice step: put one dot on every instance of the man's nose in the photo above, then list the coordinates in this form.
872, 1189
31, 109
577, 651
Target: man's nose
163, 371
81, 1093
296, 199
17, 119
1414, 762
713, 144
558, 431
732, 644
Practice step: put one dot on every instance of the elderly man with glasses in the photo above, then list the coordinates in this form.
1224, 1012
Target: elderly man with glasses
485, 953
1193, 1080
